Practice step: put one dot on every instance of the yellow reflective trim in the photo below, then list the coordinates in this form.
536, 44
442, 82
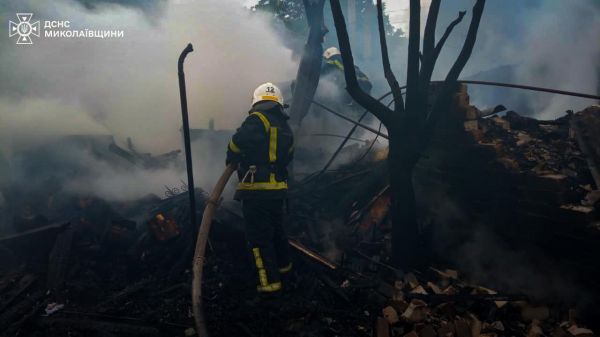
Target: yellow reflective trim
272, 136
262, 277
264, 120
286, 268
338, 64
269, 98
262, 273
272, 184
234, 148
278, 185
269, 288
257, 258
273, 145
264, 285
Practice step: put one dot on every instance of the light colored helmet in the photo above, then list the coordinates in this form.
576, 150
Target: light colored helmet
331, 51
267, 92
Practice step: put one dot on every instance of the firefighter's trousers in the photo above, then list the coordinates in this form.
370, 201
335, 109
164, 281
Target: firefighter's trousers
267, 241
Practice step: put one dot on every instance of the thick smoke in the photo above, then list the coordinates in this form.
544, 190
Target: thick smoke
550, 43
128, 87
542, 43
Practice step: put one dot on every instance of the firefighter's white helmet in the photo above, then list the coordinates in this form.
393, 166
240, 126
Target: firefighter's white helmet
331, 51
267, 92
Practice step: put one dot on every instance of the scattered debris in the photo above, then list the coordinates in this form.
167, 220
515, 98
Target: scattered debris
53, 307
107, 274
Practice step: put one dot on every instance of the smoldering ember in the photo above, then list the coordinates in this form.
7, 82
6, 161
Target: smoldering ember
413, 168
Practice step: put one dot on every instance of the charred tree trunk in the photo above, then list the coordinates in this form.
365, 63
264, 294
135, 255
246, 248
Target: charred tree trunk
309, 71
410, 125
405, 233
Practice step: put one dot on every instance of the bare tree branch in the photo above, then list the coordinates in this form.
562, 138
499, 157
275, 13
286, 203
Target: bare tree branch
385, 59
467, 48
412, 80
450, 82
430, 27
440, 44
377, 108
431, 56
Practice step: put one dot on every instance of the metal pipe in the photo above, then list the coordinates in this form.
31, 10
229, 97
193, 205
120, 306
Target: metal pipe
340, 136
528, 87
496, 84
186, 133
349, 119
341, 146
313, 255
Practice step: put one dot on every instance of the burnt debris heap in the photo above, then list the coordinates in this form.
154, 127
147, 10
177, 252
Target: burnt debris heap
526, 179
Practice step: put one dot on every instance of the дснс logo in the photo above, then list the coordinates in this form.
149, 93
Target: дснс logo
24, 28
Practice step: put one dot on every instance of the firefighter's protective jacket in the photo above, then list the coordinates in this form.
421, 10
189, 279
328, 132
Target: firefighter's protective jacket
263, 147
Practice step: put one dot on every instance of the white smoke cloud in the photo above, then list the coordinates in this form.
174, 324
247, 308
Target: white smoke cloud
548, 43
129, 87
563, 52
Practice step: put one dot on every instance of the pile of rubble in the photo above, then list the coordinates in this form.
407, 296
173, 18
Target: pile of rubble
122, 269
124, 280
447, 306
425, 304
554, 149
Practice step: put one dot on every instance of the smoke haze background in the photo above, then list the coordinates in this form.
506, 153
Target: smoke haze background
547, 43
128, 87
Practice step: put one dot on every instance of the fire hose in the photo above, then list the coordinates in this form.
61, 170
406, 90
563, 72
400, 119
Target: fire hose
198, 263
209, 210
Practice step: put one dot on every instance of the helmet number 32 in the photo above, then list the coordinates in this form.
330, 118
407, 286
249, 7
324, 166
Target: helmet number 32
271, 90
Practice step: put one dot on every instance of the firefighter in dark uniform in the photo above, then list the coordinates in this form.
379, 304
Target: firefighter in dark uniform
334, 68
263, 147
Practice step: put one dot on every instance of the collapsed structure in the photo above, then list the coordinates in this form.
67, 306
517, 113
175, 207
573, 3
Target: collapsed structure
122, 268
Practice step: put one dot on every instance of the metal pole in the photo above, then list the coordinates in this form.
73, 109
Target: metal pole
186, 133
528, 87
348, 119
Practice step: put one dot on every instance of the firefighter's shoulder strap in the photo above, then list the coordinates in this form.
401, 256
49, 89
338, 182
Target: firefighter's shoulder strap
272, 184
272, 132
263, 119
